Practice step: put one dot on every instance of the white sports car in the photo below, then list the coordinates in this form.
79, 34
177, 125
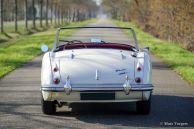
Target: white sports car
97, 71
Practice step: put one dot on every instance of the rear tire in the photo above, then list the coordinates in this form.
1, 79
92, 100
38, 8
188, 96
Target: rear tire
48, 107
143, 107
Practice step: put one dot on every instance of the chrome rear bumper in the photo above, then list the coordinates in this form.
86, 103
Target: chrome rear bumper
101, 87
137, 92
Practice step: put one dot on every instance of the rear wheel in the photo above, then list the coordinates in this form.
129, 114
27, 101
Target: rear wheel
143, 107
48, 107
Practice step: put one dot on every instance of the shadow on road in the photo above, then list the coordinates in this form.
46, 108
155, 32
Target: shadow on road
160, 66
165, 108
166, 111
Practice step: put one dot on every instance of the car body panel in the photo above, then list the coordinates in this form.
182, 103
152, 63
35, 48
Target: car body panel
93, 66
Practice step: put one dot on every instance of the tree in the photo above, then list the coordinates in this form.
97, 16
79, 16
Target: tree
51, 12
26, 14
41, 6
57, 10
55, 13
166, 19
47, 12
2, 30
34, 14
16, 15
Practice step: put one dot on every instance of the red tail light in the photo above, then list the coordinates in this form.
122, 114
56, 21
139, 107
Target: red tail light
56, 81
139, 69
55, 69
138, 80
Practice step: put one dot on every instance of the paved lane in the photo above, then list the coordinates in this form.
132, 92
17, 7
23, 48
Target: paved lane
173, 101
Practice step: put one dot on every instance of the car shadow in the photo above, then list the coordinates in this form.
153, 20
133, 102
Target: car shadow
160, 66
167, 111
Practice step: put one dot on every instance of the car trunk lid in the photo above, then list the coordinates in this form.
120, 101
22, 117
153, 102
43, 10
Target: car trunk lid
95, 66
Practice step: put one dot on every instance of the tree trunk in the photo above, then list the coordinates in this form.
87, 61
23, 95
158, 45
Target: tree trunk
74, 13
26, 14
68, 15
58, 14
41, 5
65, 15
34, 15
78, 15
62, 15
2, 29
51, 6
55, 14
16, 15
46, 12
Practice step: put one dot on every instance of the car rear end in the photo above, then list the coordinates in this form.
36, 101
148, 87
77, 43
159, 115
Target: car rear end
97, 76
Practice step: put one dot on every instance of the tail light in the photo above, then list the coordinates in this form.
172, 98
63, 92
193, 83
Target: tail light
55, 69
139, 69
138, 80
56, 81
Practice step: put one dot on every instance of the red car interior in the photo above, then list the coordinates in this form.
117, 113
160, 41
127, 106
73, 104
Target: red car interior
95, 45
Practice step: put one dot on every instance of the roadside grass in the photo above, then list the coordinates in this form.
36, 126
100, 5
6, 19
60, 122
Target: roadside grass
18, 51
179, 59
9, 29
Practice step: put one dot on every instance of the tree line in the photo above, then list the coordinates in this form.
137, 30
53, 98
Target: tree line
167, 19
45, 11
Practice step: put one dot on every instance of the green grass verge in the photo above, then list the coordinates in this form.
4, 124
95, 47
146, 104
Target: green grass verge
16, 52
179, 59
10, 34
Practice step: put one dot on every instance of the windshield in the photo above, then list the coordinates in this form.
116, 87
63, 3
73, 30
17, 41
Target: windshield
95, 35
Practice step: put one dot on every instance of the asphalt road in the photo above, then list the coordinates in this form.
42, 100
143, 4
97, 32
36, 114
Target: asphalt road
172, 101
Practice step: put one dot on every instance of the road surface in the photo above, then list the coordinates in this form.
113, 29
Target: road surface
172, 102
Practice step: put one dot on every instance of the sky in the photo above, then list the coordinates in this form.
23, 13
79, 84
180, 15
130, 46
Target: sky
98, 2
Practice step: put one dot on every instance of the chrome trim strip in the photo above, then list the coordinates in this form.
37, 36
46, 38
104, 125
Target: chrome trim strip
103, 101
99, 85
135, 87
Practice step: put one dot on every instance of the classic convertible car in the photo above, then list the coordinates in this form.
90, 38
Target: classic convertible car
95, 71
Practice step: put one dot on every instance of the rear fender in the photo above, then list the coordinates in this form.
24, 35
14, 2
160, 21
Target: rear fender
143, 61
46, 71
147, 68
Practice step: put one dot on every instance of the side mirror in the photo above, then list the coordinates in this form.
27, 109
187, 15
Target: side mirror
44, 48
146, 49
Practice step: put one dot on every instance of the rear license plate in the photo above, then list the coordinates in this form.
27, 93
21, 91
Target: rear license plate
97, 96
